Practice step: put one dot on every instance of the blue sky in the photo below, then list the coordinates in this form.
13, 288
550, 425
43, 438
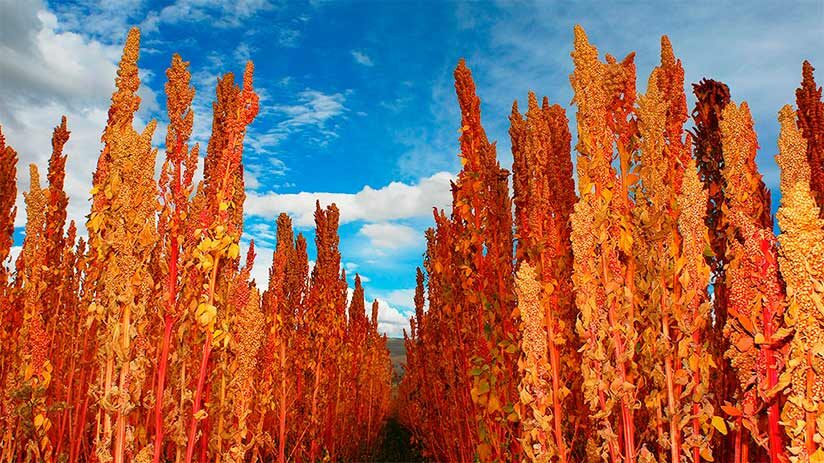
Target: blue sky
357, 99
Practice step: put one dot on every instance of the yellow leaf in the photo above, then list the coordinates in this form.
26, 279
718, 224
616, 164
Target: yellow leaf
234, 251
94, 222
706, 454
206, 313
38, 420
817, 457
146, 236
693, 361
719, 424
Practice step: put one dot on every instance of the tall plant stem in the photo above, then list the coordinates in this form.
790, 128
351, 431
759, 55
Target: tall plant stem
170, 320
161, 382
282, 411
201, 380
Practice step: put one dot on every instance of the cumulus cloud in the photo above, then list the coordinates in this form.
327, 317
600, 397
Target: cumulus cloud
49, 72
41, 64
395, 201
362, 58
391, 320
390, 235
400, 297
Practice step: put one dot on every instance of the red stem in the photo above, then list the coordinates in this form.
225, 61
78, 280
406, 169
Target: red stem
696, 424
556, 368
170, 320
282, 412
201, 380
161, 381
773, 412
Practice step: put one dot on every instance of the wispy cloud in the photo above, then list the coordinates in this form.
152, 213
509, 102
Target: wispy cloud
288, 37
106, 21
219, 13
362, 58
314, 109
243, 53
313, 112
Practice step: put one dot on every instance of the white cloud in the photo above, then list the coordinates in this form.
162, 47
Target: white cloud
314, 111
48, 73
43, 64
390, 320
104, 20
401, 297
262, 231
315, 108
243, 53
390, 235
219, 13
395, 201
362, 58
14, 251
250, 179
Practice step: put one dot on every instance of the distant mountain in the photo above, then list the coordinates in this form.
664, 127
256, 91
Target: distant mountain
397, 352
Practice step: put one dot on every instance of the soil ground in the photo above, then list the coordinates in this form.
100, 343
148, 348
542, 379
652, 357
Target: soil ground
396, 447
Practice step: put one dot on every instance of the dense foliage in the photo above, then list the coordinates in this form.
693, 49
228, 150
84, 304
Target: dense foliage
148, 341
634, 306
655, 317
